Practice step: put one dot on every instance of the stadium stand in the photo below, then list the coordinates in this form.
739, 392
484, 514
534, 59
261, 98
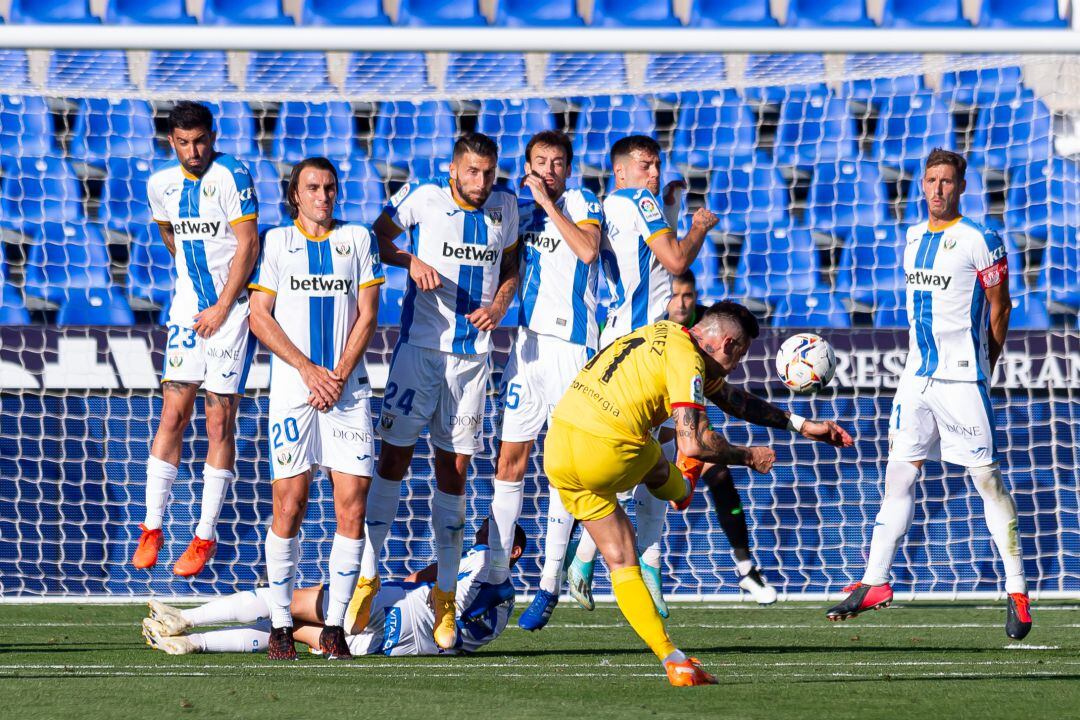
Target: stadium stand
95, 306
714, 129
777, 263
490, 72
920, 13
307, 129
386, 72
188, 71
512, 123
732, 13
603, 120
526, 13
443, 13
351, 12
65, 257
150, 273
26, 127
106, 129
244, 12
1030, 13
828, 13
413, 140
51, 11
636, 13
39, 189
140, 12
815, 129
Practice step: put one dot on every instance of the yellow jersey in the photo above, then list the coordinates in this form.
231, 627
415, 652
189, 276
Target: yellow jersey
633, 384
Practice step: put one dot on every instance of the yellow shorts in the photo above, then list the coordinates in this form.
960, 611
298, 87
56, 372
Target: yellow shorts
589, 471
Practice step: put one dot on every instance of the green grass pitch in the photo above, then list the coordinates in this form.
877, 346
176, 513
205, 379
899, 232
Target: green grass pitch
917, 660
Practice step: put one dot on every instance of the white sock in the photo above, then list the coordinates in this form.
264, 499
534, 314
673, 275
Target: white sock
676, 656
282, 557
233, 640
344, 567
893, 520
383, 499
560, 525
448, 522
160, 476
505, 511
651, 512
216, 483
245, 607
744, 566
1000, 512
586, 548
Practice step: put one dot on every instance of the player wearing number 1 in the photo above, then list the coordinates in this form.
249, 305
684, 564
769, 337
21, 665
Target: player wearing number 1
205, 206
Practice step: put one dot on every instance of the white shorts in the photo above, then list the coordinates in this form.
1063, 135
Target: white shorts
444, 391
950, 420
339, 439
539, 371
219, 363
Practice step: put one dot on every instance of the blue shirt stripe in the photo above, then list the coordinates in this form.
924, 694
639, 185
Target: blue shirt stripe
470, 286
530, 288
195, 250
639, 303
321, 309
924, 332
579, 333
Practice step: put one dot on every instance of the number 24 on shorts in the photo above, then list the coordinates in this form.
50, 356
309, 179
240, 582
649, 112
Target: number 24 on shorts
404, 403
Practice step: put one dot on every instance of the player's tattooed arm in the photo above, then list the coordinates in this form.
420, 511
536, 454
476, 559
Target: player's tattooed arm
695, 438
488, 318
738, 403
386, 231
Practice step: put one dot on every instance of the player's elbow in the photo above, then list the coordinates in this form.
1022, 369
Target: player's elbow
588, 255
677, 266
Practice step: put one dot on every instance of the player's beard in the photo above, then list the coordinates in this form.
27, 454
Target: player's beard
475, 201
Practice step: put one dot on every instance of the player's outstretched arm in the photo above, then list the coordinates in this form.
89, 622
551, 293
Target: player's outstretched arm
210, 320
696, 439
325, 387
488, 318
741, 404
678, 255
386, 231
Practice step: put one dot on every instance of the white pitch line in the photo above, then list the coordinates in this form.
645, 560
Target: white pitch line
1021, 646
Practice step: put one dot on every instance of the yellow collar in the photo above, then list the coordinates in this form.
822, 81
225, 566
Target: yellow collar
314, 237
938, 228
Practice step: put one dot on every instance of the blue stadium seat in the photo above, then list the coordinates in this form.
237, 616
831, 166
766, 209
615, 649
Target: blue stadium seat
288, 71
269, 191
714, 129
206, 71
88, 70
891, 310
441, 13
95, 306
682, 69
511, 123
813, 310
633, 13
1028, 311
51, 11
244, 12
815, 129
603, 120
1012, 133
909, 127
113, 128
871, 265
606, 71
486, 72
828, 13
982, 87
150, 271
973, 203
528, 13
390, 301
732, 13
351, 12
26, 126
234, 125
386, 72
123, 197
14, 68
920, 13
876, 88
1042, 196
414, 138
845, 195
361, 196
1027, 14
12, 308
770, 76
66, 256
776, 263
140, 12
1059, 280
307, 129
749, 198
37, 190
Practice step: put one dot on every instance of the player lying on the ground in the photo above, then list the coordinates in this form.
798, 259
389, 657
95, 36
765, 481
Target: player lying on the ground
600, 444
400, 621
958, 304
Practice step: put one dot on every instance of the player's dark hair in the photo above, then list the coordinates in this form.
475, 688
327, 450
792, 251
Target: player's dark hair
188, 115
731, 310
939, 156
292, 194
630, 143
686, 277
551, 138
477, 144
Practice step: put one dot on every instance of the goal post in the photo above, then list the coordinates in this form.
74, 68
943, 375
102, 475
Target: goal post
808, 145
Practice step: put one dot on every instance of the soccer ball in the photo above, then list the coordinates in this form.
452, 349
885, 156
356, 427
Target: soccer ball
806, 362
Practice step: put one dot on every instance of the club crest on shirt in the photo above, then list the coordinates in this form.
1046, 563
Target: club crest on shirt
387, 421
209, 191
343, 249
649, 210
950, 243
496, 217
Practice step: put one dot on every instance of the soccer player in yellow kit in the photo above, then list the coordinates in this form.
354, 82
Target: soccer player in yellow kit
599, 444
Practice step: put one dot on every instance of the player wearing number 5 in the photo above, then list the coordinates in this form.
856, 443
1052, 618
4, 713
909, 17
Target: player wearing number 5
315, 308
205, 206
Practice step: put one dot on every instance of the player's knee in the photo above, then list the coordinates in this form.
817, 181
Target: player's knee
988, 481
450, 471
900, 478
290, 510
394, 461
349, 514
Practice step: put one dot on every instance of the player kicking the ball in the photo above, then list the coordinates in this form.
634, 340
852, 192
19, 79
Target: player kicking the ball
205, 206
315, 308
958, 305
462, 277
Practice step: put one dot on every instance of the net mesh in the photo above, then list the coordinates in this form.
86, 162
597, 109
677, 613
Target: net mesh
812, 163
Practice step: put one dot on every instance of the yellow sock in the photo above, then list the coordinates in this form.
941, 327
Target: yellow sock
674, 489
637, 607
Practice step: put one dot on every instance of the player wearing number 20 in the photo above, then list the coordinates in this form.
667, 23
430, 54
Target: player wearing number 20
315, 308
205, 206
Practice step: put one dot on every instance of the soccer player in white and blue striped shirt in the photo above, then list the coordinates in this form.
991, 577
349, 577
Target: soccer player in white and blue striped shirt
958, 308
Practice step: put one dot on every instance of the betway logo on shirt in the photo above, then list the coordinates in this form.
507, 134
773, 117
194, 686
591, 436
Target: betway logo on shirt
929, 280
540, 241
470, 254
320, 285
196, 228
